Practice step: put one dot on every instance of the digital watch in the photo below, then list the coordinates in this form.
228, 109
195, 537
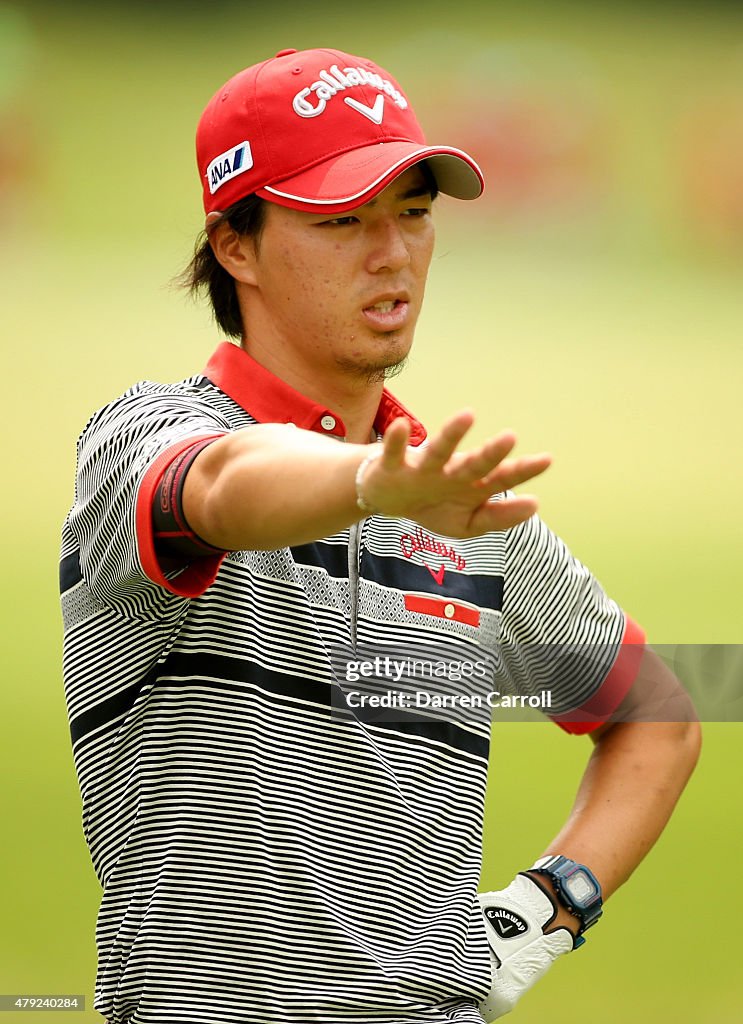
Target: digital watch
577, 887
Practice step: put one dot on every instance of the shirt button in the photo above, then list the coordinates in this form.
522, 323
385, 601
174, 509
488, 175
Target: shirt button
327, 422
449, 611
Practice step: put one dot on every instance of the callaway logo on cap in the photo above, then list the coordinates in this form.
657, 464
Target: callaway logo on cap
317, 130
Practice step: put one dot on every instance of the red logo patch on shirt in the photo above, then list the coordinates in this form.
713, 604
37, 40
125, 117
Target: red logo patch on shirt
420, 541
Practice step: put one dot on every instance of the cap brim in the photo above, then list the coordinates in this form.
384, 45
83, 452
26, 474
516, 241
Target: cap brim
351, 179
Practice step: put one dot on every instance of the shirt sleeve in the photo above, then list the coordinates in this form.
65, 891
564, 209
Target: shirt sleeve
122, 454
561, 632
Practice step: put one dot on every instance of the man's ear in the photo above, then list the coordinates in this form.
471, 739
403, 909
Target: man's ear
235, 252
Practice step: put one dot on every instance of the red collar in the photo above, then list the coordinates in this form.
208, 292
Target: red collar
269, 399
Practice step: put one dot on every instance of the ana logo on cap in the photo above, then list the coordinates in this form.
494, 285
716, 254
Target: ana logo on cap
228, 165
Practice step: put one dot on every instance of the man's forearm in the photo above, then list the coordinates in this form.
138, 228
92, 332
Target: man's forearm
272, 485
632, 781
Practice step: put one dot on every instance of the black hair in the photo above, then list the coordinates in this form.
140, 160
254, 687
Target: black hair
247, 217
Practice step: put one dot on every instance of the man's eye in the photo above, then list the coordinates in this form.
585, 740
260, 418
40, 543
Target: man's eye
341, 221
416, 211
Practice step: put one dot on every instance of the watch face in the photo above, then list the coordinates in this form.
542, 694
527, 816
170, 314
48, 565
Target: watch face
580, 888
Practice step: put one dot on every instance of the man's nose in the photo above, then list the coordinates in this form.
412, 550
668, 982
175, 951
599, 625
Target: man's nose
388, 248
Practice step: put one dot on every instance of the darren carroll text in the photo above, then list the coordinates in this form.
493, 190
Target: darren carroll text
424, 699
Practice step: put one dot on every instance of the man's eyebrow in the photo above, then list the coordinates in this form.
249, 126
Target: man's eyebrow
416, 192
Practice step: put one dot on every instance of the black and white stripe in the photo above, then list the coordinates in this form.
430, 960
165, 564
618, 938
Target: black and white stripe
265, 856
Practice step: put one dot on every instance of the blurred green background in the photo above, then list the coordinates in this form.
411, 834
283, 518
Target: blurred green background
591, 300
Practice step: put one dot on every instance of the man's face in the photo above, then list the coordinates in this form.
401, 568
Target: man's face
342, 294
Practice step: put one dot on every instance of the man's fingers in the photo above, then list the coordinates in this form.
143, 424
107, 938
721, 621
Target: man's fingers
515, 471
483, 461
444, 444
395, 442
502, 515
441, 477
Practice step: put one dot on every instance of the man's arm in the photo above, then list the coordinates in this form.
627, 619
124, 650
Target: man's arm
272, 485
635, 775
637, 770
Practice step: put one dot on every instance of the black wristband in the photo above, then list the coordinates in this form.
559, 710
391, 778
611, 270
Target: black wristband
173, 536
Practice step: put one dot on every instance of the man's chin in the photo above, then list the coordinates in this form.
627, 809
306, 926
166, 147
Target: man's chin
373, 372
387, 372
381, 365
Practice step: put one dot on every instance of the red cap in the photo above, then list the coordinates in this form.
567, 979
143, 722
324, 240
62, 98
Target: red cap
317, 130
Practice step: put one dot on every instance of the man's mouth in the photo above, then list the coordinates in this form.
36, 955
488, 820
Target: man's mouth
387, 314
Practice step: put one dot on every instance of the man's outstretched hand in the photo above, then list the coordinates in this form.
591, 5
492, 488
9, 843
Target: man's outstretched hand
450, 491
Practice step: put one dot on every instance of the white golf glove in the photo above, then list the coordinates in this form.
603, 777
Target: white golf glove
520, 952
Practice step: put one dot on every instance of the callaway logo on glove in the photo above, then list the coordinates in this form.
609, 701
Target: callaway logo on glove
520, 952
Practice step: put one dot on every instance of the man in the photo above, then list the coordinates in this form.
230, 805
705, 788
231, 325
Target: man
270, 849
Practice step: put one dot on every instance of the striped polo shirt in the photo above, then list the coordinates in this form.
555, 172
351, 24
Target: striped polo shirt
271, 847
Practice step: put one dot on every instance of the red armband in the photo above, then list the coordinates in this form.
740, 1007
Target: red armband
599, 708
